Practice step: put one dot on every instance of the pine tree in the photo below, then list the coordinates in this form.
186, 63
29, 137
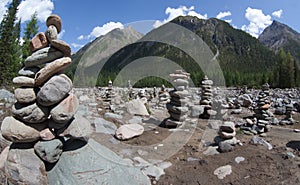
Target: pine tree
30, 31
9, 43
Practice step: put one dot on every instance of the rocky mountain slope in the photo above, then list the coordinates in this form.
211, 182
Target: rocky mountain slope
243, 59
279, 35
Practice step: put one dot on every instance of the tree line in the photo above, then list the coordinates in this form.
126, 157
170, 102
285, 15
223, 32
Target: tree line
14, 49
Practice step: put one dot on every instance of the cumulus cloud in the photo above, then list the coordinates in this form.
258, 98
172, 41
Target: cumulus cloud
102, 30
81, 37
43, 8
277, 13
258, 21
180, 11
76, 46
221, 15
3, 8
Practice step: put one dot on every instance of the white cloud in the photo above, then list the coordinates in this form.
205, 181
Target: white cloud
223, 14
77, 45
102, 30
81, 37
277, 13
258, 21
180, 11
3, 8
43, 8
61, 34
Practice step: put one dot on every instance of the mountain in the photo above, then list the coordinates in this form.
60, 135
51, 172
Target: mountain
102, 47
243, 59
279, 35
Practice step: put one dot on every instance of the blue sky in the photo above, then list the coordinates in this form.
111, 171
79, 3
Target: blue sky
83, 21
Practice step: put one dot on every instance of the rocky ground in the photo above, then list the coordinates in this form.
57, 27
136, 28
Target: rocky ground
187, 155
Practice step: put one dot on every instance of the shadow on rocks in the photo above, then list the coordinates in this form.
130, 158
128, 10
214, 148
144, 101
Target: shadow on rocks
294, 145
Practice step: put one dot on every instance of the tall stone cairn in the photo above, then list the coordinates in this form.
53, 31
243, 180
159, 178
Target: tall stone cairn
206, 97
44, 114
262, 114
177, 107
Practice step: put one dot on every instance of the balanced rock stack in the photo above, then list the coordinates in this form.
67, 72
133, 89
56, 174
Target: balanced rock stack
262, 113
227, 139
163, 95
288, 120
206, 98
179, 98
109, 94
43, 115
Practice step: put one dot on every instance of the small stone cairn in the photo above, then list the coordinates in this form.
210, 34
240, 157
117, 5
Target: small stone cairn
45, 109
163, 95
262, 113
226, 139
288, 120
177, 107
206, 98
109, 94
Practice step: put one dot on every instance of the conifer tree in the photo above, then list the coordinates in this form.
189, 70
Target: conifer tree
30, 31
9, 43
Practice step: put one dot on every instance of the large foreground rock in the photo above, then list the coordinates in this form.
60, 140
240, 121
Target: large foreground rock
24, 167
54, 90
137, 107
94, 164
16, 131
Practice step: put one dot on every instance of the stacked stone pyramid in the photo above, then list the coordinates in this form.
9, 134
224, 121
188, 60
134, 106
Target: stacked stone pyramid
177, 107
43, 118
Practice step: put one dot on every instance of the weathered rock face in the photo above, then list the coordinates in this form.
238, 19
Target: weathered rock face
24, 167
54, 90
129, 131
65, 110
137, 107
16, 131
54, 67
25, 95
33, 113
43, 56
79, 167
39, 41
49, 151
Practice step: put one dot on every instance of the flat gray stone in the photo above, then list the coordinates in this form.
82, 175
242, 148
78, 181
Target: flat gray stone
33, 113
54, 90
51, 69
49, 151
28, 71
95, 164
25, 95
23, 81
42, 56
65, 110
109, 115
129, 131
24, 167
79, 128
257, 140
105, 127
